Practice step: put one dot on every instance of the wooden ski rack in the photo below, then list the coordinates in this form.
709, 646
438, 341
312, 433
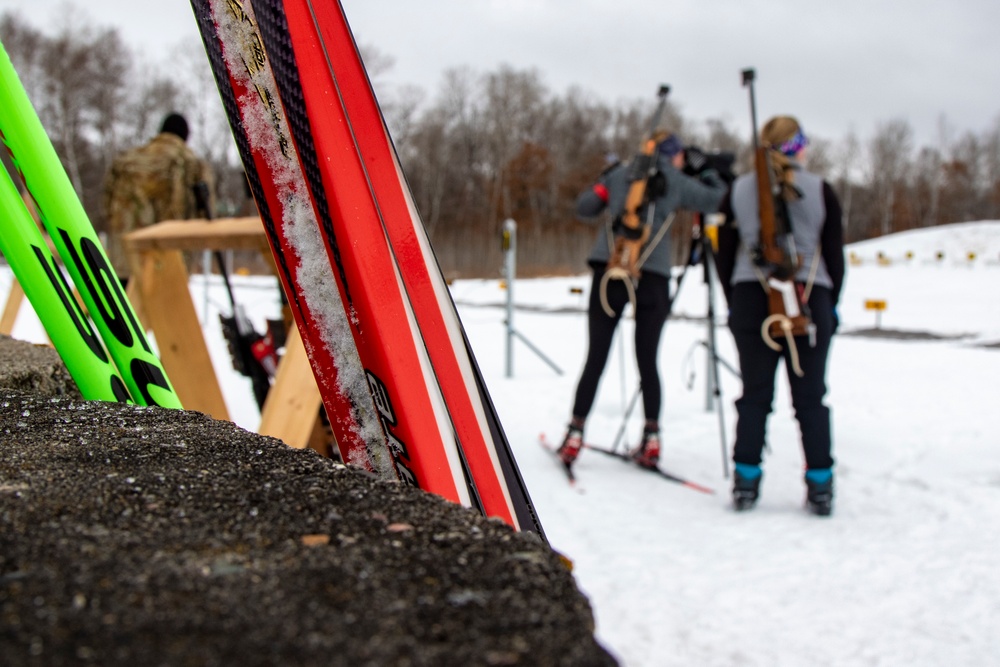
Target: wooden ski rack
159, 292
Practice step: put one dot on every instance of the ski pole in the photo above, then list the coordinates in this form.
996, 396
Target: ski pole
245, 335
707, 263
628, 413
670, 308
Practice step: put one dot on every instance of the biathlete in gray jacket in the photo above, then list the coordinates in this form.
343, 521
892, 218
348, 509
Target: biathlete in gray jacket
815, 219
667, 191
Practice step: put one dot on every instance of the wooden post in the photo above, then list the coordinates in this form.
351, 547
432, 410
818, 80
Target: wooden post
160, 281
166, 301
15, 297
294, 401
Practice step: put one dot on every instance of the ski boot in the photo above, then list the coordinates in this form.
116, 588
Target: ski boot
571, 445
819, 491
746, 486
647, 454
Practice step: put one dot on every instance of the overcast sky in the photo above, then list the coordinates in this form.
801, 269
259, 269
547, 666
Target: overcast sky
838, 65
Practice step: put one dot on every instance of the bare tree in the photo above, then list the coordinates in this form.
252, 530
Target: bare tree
964, 180
512, 105
83, 82
889, 153
927, 185
991, 169
483, 147
846, 160
24, 45
152, 98
820, 157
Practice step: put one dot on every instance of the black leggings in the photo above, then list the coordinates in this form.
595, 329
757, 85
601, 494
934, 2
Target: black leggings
759, 364
652, 306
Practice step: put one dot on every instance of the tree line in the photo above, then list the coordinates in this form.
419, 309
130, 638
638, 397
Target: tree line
484, 148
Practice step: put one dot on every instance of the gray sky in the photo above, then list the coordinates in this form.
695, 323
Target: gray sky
839, 65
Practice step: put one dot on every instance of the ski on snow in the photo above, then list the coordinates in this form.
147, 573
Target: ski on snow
435, 415
623, 456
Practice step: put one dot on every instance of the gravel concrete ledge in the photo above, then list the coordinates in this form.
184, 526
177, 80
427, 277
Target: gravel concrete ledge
144, 536
34, 368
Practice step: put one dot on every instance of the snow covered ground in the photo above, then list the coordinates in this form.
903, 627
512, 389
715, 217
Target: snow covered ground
906, 570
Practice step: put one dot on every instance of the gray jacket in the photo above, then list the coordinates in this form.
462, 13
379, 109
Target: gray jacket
808, 216
611, 190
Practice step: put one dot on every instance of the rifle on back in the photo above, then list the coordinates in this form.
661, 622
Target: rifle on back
776, 254
642, 167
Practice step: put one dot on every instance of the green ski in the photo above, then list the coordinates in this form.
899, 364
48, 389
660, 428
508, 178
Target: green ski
74, 237
45, 286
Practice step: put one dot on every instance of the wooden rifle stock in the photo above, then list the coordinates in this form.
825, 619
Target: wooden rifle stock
770, 249
784, 296
637, 189
626, 251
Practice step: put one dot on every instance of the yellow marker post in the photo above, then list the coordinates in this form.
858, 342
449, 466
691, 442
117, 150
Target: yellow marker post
878, 306
712, 232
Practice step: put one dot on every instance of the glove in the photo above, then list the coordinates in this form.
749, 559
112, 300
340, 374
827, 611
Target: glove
656, 186
836, 320
619, 228
711, 178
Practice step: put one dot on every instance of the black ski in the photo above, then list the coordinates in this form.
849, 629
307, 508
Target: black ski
623, 456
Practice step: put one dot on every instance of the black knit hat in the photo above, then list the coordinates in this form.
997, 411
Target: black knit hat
671, 146
175, 124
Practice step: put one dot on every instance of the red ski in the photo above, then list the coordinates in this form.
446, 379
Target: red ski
435, 412
249, 96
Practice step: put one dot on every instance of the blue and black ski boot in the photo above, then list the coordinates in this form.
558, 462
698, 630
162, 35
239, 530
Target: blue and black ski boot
746, 486
819, 491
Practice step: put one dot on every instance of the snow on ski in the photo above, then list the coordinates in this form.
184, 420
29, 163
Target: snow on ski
246, 85
364, 204
380, 323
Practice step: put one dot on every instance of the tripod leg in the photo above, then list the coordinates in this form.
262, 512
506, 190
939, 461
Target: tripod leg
713, 352
719, 410
692, 257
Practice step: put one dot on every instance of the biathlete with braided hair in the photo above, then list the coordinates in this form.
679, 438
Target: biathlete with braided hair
815, 218
668, 190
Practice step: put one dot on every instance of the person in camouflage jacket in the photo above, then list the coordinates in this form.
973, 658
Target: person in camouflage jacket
152, 183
